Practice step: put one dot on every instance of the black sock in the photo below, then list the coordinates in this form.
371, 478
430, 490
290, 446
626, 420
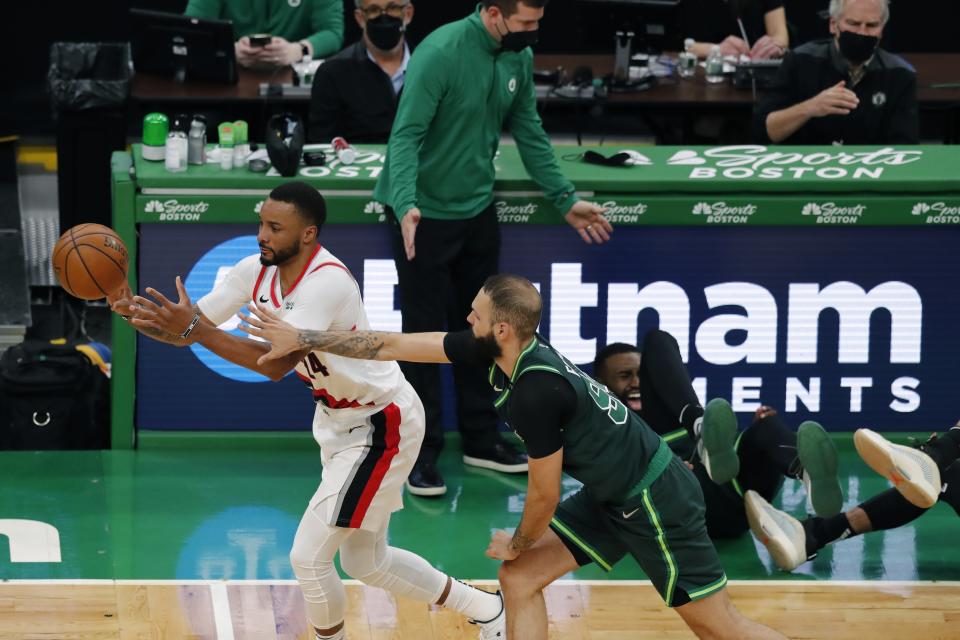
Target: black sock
951, 480
689, 415
823, 531
889, 510
945, 449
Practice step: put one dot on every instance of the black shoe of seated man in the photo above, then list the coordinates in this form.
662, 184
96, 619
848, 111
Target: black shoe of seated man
503, 458
425, 480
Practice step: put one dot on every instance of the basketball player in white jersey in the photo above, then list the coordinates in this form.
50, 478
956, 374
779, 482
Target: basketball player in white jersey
369, 422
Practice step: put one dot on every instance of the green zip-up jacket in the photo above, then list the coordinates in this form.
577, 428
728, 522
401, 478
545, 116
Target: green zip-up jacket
319, 21
459, 91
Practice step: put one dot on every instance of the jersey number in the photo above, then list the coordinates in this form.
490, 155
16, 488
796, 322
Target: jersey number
314, 365
614, 408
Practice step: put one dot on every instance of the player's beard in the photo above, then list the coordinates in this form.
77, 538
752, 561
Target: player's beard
486, 346
280, 255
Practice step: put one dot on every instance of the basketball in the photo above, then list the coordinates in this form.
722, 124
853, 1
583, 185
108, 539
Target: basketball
90, 261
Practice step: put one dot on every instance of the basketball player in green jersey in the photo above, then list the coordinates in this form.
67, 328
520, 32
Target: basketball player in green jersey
637, 497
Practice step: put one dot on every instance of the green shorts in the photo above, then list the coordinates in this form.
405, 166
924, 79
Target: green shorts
663, 528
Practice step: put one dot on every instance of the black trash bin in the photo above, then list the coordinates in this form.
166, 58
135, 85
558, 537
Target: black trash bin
89, 83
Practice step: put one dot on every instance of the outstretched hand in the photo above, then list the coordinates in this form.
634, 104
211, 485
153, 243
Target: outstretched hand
282, 336
588, 219
161, 314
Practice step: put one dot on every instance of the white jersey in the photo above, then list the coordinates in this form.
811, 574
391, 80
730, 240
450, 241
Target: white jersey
324, 297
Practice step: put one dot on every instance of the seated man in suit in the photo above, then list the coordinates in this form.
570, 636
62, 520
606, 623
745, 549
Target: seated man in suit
355, 93
842, 90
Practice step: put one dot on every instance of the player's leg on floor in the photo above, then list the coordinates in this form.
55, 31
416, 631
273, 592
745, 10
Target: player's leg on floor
524, 579
715, 617
366, 556
314, 548
792, 542
758, 471
912, 471
944, 448
769, 450
666, 392
951, 486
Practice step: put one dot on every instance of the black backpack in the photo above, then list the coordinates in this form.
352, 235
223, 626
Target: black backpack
52, 397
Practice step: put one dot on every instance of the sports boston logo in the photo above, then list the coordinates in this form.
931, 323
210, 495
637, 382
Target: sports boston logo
832, 213
723, 213
740, 162
173, 210
623, 213
937, 212
515, 213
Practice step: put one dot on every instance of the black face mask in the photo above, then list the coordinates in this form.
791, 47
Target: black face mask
857, 48
385, 32
517, 41
616, 160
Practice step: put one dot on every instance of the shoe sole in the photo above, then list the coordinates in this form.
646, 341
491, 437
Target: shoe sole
818, 455
770, 534
905, 474
427, 492
719, 434
483, 463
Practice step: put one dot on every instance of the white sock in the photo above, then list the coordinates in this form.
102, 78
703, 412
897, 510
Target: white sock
474, 603
339, 635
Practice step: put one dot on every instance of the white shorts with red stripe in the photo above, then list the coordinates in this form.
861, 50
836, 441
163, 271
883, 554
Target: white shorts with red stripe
366, 461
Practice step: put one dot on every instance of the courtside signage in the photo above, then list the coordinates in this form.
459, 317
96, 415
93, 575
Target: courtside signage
849, 338
742, 162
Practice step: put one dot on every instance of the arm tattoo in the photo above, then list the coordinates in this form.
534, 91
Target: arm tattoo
162, 336
364, 345
520, 542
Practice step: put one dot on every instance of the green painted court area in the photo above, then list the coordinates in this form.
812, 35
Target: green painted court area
174, 514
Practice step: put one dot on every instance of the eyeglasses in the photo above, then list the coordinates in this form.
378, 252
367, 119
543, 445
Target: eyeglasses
394, 10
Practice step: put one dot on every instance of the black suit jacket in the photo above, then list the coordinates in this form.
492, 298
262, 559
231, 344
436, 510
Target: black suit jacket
351, 97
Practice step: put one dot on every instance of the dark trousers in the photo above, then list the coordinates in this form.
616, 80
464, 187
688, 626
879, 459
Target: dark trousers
437, 288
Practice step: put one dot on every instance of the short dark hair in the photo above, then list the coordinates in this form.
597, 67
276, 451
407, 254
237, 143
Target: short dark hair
308, 202
516, 301
509, 7
607, 352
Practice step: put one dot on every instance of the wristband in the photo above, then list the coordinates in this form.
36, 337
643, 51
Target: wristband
193, 323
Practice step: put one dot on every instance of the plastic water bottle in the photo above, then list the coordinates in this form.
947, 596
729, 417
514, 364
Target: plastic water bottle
715, 65
687, 61
175, 159
197, 141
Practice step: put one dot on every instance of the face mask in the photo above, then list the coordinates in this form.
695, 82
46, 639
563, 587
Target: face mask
385, 32
517, 41
616, 160
857, 48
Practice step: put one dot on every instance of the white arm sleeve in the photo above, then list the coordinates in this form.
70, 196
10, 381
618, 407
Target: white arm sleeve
327, 302
232, 293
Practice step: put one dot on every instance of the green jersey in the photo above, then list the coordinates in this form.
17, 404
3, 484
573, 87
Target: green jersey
606, 446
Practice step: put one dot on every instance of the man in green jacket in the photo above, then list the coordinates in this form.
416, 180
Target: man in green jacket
299, 27
464, 83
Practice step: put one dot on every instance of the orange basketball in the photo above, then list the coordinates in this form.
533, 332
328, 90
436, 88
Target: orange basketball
90, 261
